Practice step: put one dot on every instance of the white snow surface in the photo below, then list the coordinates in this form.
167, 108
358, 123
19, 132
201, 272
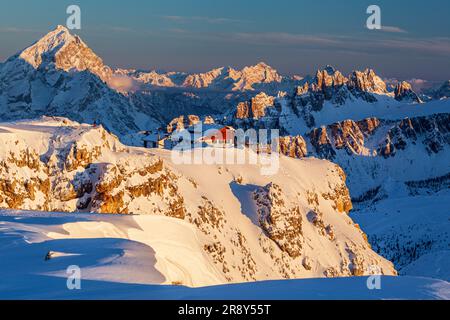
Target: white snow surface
131, 257
413, 232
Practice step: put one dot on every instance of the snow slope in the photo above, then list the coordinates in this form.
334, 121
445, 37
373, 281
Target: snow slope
123, 249
292, 223
411, 231
128, 257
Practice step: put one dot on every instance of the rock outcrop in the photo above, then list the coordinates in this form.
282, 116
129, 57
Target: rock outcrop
294, 147
403, 91
366, 84
74, 176
280, 219
256, 108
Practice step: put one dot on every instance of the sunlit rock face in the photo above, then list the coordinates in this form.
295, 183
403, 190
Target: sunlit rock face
403, 91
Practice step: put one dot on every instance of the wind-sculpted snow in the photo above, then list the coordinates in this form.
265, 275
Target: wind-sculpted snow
130, 257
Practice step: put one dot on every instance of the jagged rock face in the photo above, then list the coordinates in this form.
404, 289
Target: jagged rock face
260, 77
369, 125
18, 191
203, 80
294, 147
116, 190
288, 224
327, 81
243, 110
230, 79
256, 109
260, 112
322, 143
67, 52
352, 136
281, 220
73, 176
251, 76
432, 132
404, 91
340, 194
155, 79
330, 88
183, 122
328, 85
366, 82
368, 150
188, 122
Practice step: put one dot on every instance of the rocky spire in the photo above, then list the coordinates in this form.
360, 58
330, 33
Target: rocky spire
367, 81
66, 52
404, 91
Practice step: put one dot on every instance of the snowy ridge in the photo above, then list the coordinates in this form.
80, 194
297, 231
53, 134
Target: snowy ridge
302, 231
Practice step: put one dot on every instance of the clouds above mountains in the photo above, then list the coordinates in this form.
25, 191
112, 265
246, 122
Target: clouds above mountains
210, 20
365, 42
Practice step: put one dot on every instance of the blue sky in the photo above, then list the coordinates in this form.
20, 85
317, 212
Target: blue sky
294, 36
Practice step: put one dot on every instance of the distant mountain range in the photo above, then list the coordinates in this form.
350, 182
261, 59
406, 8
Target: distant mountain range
60, 75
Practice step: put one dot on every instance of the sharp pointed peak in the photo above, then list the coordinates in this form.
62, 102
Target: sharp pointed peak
48, 45
60, 27
262, 64
65, 51
60, 33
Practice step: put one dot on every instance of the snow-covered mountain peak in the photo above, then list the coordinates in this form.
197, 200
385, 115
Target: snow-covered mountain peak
66, 51
48, 45
261, 72
234, 80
